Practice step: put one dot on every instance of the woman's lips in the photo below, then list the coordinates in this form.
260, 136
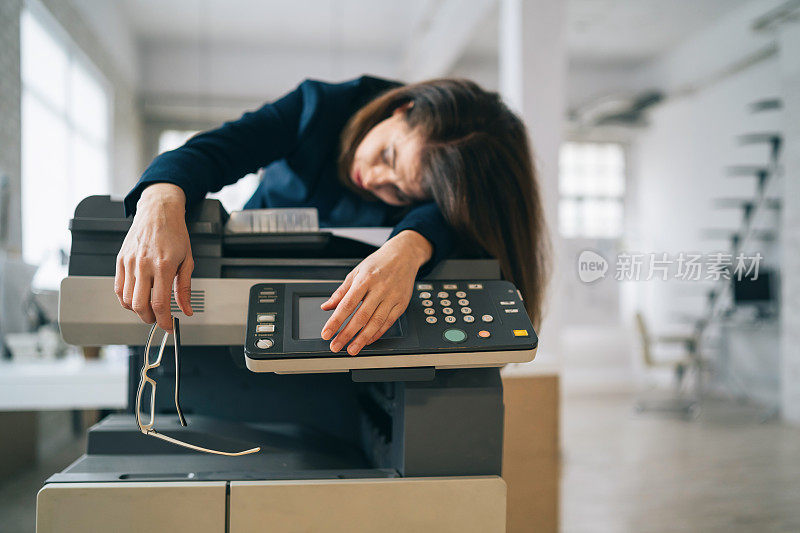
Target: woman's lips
357, 179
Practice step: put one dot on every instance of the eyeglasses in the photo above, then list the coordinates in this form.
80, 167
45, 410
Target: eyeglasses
146, 381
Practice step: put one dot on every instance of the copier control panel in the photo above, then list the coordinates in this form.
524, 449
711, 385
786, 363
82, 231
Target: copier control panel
452, 324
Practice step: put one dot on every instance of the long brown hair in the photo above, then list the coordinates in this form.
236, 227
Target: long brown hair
477, 164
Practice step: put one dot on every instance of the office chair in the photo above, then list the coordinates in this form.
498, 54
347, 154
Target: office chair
689, 361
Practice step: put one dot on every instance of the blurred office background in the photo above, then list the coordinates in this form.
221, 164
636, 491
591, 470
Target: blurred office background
659, 128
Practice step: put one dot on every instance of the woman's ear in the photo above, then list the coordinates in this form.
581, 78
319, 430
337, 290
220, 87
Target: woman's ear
403, 109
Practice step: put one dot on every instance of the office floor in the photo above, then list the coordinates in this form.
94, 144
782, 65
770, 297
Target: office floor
623, 472
726, 471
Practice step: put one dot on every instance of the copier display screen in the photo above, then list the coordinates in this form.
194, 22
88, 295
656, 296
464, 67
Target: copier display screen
311, 318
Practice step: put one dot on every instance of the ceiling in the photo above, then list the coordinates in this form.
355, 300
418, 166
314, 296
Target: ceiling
614, 31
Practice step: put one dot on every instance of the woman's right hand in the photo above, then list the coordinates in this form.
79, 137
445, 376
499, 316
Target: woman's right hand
156, 255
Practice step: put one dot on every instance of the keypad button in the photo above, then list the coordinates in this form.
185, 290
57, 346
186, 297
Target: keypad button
461, 294
447, 310
449, 286
265, 328
264, 344
430, 319
508, 302
424, 287
445, 303
487, 318
449, 319
266, 318
427, 303
520, 332
455, 335
469, 319
484, 334
466, 310
266, 300
443, 294
429, 310
514, 310
475, 286
463, 301
425, 294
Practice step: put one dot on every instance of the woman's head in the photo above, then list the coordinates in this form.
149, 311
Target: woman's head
451, 141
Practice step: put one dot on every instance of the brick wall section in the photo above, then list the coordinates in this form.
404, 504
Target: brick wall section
10, 130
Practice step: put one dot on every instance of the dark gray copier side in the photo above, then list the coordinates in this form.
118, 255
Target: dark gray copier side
380, 423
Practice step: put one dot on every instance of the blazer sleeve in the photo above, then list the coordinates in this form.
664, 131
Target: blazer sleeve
427, 220
210, 160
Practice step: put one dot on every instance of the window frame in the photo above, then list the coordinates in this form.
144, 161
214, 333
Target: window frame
621, 198
75, 57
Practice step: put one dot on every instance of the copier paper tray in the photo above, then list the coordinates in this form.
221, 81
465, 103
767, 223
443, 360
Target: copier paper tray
117, 451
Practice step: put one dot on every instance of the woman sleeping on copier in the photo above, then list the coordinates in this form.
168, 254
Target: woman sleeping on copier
443, 161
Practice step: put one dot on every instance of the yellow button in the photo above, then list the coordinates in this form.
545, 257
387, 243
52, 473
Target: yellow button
520, 332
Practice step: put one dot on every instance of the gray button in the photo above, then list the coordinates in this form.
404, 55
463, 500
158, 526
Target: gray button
463, 301
514, 310
475, 286
265, 328
442, 294
425, 294
466, 310
424, 287
469, 318
449, 319
445, 303
507, 302
447, 310
461, 294
449, 286
264, 344
427, 303
266, 318
429, 310
430, 320
487, 318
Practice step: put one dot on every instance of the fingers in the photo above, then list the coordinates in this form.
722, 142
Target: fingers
140, 302
160, 299
346, 304
127, 289
372, 327
394, 314
337, 296
119, 279
359, 319
183, 286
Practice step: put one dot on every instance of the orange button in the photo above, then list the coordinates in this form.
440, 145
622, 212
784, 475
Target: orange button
483, 333
520, 332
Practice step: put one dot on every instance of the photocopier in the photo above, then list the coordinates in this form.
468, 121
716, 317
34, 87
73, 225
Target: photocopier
405, 436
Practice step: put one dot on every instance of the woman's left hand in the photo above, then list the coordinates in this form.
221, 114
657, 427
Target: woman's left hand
382, 284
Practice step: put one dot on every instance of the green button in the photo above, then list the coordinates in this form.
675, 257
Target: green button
455, 335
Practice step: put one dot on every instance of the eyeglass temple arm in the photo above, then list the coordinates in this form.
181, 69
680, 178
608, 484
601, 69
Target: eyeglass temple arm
176, 328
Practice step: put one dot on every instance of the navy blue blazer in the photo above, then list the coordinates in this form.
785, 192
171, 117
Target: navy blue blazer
296, 140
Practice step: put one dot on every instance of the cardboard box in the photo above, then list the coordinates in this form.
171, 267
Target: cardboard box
531, 452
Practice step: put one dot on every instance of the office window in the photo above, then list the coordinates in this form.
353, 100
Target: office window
65, 136
234, 196
591, 187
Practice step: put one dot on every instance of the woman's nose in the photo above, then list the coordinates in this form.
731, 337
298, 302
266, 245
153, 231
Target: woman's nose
374, 179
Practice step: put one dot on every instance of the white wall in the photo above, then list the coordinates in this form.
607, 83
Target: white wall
679, 160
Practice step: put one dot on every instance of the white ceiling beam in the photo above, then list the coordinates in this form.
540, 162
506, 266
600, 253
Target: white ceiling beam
441, 35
